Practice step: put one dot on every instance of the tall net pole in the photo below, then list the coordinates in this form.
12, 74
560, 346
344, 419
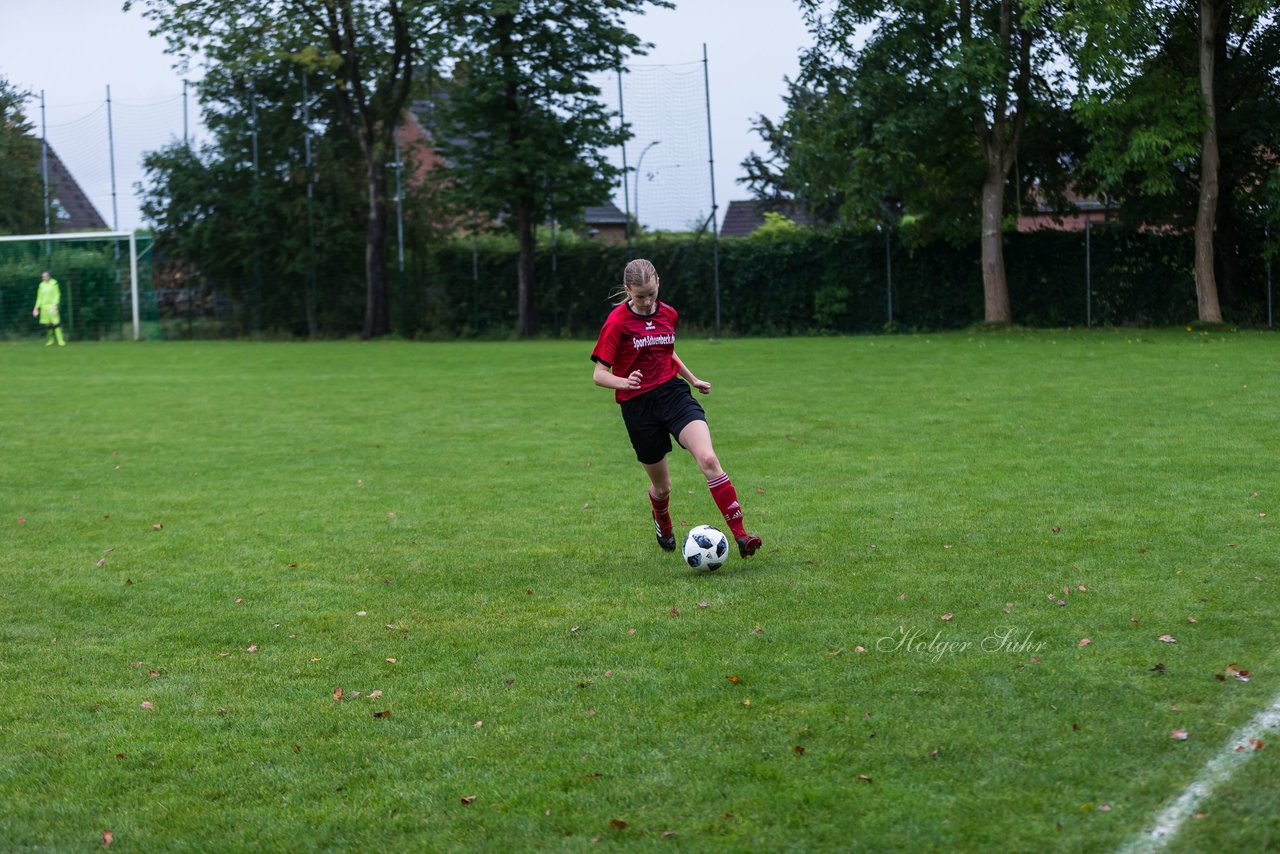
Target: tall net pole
626, 194
311, 228
111, 158
711, 163
44, 161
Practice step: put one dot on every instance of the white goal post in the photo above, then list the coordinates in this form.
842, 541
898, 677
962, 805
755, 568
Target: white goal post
98, 235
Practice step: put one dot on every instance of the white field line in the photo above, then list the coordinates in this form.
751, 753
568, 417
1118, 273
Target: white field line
1216, 771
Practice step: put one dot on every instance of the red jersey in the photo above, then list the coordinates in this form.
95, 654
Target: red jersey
644, 342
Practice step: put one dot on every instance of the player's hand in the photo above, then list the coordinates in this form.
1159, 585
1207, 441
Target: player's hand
702, 386
634, 379
35, 312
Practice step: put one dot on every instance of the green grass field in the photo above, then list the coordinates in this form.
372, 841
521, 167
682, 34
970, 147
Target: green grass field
204, 542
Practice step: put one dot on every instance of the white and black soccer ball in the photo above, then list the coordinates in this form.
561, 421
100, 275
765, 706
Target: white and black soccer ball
706, 548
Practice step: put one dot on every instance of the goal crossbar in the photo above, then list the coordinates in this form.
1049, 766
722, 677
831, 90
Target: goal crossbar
98, 235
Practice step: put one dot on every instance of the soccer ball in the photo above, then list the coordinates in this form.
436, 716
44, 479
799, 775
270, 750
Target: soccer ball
706, 548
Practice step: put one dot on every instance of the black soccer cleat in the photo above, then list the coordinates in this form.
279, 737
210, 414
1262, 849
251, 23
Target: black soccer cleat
668, 543
747, 545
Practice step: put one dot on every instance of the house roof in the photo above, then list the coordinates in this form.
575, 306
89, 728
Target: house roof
606, 214
745, 216
77, 212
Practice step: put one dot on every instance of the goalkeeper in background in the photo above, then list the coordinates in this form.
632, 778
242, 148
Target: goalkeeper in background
47, 298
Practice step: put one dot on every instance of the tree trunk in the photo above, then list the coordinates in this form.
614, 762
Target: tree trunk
995, 284
377, 312
528, 318
1208, 306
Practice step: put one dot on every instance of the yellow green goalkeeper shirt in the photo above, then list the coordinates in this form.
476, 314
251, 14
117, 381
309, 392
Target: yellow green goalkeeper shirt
47, 299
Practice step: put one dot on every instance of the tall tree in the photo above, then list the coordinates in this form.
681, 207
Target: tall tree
522, 126
235, 211
367, 49
21, 190
923, 106
1180, 97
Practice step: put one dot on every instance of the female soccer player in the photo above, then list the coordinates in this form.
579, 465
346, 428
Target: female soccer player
636, 357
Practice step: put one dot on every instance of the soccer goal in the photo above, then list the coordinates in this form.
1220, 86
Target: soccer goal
104, 277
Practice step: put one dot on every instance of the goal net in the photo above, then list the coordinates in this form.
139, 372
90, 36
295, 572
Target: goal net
104, 278
668, 156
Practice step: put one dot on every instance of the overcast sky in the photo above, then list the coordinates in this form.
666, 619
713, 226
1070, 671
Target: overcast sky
74, 49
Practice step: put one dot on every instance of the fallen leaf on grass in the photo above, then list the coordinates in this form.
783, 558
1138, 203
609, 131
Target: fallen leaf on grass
859, 649
147, 704
1104, 807
22, 520
1159, 668
667, 834
385, 713
1085, 641
618, 823
704, 604
734, 679
102, 561
157, 526
1008, 607
799, 749
1242, 675
1179, 735
373, 695
675, 612
469, 799
1167, 639
863, 778
337, 694
478, 724
252, 648
1057, 530
946, 618
391, 661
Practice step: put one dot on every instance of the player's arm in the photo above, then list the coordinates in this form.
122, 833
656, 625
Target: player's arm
700, 385
605, 378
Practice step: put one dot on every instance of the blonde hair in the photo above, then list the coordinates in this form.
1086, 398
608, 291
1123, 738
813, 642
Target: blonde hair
636, 273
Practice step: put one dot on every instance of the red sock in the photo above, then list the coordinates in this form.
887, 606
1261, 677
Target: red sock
660, 514
726, 499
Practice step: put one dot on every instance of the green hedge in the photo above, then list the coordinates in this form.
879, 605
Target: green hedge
792, 283
824, 282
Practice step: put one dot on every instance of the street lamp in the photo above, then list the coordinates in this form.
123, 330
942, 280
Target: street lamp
638, 162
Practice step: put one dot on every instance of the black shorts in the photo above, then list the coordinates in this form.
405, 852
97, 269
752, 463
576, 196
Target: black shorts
655, 416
